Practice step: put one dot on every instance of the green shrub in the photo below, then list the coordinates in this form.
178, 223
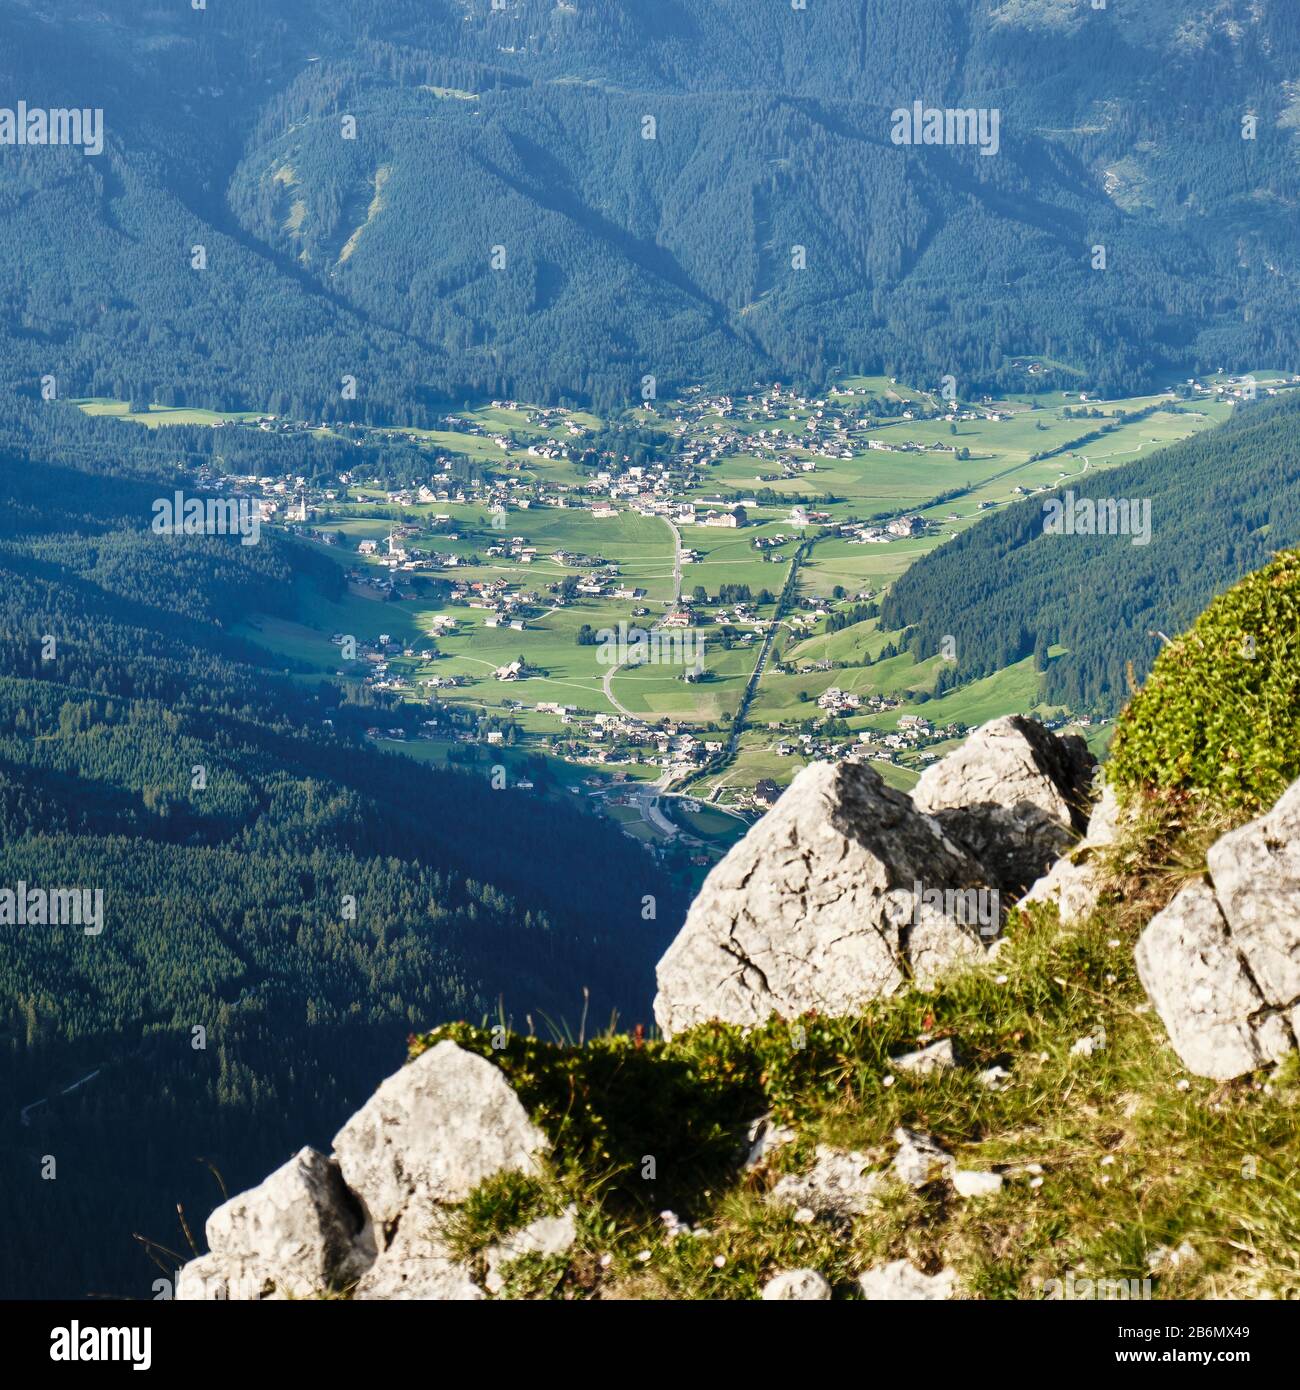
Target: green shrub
1219, 716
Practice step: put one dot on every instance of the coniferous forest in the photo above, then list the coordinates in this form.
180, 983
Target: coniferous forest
269, 938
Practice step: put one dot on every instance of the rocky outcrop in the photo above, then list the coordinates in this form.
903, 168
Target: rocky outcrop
298, 1233
1074, 884
1221, 963
433, 1132
840, 894
921, 1159
370, 1219
1014, 795
548, 1235
838, 1185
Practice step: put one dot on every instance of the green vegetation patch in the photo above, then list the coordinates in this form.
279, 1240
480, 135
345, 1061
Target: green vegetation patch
1107, 1154
1219, 716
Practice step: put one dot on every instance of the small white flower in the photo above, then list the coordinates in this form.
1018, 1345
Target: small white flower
1044, 1056
1113, 943
643, 1256
1000, 979
1184, 1085
804, 1215
1108, 1160
1035, 1182
887, 1081
719, 1261
606, 1261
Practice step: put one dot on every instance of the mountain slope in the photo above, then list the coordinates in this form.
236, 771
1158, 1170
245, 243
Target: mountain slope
625, 257
1220, 505
267, 879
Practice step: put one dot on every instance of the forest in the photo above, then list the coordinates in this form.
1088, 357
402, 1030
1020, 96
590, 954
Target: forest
1221, 504
372, 211
275, 889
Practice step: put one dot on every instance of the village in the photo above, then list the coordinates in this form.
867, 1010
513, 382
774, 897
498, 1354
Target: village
767, 528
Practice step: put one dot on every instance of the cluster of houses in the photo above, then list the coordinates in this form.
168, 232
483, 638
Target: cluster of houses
900, 528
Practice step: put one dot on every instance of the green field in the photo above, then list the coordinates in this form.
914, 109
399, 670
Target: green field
763, 444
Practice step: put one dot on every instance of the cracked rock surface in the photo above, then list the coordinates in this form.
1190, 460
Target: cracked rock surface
369, 1219
1221, 963
1014, 794
817, 908
837, 1185
1074, 882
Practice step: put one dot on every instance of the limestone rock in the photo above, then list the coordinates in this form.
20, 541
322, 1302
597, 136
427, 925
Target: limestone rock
1256, 874
967, 1183
298, 1234
824, 905
416, 1265
549, 1235
764, 1137
432, 1132
938, 1056
838, 1185
921, 1159
796, 1285
1203, 992
1014, 794
903, 1281
1074, 883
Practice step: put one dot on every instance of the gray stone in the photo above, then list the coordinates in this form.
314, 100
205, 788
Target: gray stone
921, 1159
796, 1285
817, 908
838, 1185
549, 1235
416, 1265
1205, 996
901, 1280
1256, 874
763, 1138
938, 1056
1074, 884
971, 1184
298, 1234
1014, 794
432, 1133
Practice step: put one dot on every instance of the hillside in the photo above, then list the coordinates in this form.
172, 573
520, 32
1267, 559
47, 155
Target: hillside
1220, 505
1097, 1106
444, 199
281, 903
